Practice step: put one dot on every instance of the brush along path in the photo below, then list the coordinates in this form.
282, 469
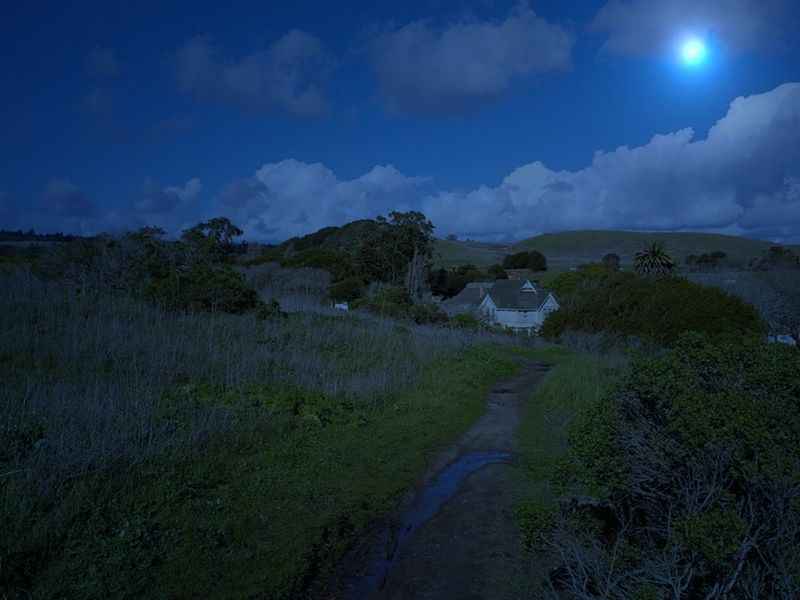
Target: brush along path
456, 536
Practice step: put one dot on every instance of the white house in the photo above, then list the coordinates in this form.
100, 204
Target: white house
517, 304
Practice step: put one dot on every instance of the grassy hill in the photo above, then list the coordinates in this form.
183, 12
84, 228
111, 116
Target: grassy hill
449, 253
572, 247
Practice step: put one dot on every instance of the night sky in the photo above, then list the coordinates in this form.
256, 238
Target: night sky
499, 120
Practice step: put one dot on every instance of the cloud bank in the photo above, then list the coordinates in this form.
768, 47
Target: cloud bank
288, 76
457, 68
743, 178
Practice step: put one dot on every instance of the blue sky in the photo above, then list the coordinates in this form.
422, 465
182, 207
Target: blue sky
498, 119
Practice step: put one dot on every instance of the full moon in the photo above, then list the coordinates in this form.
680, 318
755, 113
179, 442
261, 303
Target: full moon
693, 52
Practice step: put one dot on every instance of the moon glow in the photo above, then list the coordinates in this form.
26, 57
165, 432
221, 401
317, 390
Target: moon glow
693, 52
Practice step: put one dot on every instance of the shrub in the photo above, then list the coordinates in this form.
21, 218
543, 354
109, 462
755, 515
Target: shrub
204, 287
659, 310
269, 310
424, 314
533, 260
347, 290
465, 321
497, 272
611, 261
693, 452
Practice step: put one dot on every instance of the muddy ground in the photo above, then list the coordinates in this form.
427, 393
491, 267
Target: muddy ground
455, 535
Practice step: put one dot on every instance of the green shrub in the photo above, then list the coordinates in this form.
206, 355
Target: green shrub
347, 290
204, 287
659, 310
269, 310
424, 314
465, 321
696, 451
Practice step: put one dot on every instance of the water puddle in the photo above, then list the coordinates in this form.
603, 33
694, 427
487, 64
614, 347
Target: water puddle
426, 504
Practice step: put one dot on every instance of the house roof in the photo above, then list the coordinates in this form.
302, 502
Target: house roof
509, 294
467, 299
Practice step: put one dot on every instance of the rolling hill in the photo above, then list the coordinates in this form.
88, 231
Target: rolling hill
569, 248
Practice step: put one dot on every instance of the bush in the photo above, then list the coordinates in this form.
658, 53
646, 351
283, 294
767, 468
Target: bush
533, 260
497, 272
347, 290
269, 310
659, 310
693, 451
465, 321
424, 314
204, 287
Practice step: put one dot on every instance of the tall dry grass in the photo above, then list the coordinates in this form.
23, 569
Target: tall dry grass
82, 373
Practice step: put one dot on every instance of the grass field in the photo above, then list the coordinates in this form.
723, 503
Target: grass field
450, 253
150, 455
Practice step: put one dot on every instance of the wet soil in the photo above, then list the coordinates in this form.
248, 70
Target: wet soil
455, 535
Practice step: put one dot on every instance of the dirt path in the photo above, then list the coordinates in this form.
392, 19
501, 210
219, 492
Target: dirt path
455, 536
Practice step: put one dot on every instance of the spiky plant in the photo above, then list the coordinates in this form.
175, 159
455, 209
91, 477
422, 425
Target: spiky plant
653, 260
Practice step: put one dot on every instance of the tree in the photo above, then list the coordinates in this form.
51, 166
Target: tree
537, 261
533, 260
653, 260
611, 261
452, 237
497, 272
211, 240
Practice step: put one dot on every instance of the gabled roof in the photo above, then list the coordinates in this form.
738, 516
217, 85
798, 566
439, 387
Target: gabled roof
509, 294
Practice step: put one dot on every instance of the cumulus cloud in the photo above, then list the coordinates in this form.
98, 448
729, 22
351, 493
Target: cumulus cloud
288, 76
742, 177
158, 200
102, 62
64, 199
291, 198
641, 27
454, 69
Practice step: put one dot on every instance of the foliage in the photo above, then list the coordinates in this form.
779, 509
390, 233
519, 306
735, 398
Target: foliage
269, 310
427, 313
693, 454
338, 263
465, 321
706, 260
653, 260
658, 310
449, 282
497, 272
533, 260
611, 261
348, 289
777, 257
211, 241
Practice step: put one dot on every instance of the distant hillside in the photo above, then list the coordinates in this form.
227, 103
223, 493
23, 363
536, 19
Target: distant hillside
449, 253
568, 248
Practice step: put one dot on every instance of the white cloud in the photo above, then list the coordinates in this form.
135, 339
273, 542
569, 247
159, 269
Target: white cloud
288, 76
744, 175
743, 178
291, 198
641, 27
454, 69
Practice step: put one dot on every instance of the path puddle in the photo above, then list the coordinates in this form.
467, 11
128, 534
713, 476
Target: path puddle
424, 506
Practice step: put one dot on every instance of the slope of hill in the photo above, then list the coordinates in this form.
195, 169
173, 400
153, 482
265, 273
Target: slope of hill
451, 253
571, 247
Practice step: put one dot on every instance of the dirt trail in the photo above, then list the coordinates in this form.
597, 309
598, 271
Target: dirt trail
455, 536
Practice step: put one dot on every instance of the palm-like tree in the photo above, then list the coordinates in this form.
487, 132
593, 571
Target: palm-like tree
653, 260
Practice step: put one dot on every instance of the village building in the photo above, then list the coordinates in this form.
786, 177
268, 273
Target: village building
520, 305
